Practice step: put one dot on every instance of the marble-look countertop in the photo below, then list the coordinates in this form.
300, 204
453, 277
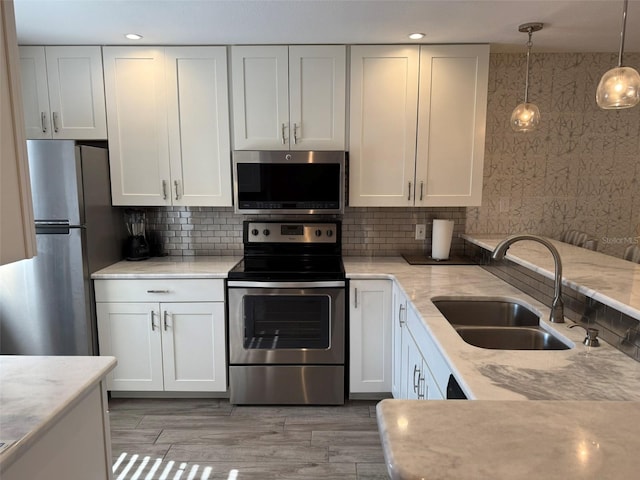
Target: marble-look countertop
609, 280
35, 392
580, 373
169, 267
509, 440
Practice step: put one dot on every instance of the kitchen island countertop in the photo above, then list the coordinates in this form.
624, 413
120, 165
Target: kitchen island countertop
36, 392
509, 440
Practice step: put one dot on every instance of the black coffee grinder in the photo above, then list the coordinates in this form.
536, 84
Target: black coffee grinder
136, 246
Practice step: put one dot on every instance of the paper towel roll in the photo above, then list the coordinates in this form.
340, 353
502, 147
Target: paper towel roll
441, 239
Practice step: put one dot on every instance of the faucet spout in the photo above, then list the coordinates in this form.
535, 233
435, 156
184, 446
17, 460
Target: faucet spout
557, 307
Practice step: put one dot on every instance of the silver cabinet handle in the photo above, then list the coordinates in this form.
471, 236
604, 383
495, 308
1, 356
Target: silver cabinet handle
158, 291
153, 325
164, 320
421, 188
416, 383
55, 122
356, 297
283, 139
295, 133
400, 320
164, 189
409, 196
43, 121
175, 184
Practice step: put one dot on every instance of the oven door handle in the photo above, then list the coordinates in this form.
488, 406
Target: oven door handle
310, 284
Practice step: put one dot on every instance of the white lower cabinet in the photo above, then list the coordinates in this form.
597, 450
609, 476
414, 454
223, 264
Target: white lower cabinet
163, 346
424, 372
398, 329
370, 336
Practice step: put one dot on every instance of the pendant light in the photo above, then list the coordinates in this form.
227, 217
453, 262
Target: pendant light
526, 116
619, 87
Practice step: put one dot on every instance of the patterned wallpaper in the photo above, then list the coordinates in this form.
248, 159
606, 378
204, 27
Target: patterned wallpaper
580, 170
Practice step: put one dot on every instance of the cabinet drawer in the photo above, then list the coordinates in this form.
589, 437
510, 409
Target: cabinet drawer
432, 356
161, 290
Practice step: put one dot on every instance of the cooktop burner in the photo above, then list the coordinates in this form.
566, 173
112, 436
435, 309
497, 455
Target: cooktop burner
290, 251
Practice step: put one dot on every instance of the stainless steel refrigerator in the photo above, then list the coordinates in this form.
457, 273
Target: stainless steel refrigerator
47, 303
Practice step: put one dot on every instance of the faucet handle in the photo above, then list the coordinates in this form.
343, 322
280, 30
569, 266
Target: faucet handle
591, 340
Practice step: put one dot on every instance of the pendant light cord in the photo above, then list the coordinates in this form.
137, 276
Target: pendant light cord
624, 27
526, 82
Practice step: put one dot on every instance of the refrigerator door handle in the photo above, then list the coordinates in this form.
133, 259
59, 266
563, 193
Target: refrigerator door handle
54, 227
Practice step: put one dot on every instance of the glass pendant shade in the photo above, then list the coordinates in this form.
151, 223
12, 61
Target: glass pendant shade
619, 88
525, 117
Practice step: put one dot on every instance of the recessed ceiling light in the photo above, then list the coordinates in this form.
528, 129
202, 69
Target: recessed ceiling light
133, 36
416, 36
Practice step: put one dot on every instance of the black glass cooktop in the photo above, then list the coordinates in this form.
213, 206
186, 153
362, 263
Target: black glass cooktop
289, 268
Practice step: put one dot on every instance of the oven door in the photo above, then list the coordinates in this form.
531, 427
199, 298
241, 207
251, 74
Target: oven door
286, 322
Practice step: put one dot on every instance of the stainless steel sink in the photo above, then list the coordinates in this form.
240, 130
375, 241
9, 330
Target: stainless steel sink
510, 338
486, 312
497, 324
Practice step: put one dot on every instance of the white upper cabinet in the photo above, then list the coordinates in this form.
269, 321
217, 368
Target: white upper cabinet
63, 92
167, 110
289, 97
417, 125
384, 109
17, 230
451, 124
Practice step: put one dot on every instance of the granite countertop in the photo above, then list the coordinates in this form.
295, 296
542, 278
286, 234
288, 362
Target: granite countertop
510, 440
580, 373
169, 267
35, 392
609, 280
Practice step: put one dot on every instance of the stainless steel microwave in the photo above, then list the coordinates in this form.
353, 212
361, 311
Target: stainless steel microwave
288, 182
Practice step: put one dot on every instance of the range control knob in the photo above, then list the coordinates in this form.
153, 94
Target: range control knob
266, 232
318, 233
329, 233
255, 232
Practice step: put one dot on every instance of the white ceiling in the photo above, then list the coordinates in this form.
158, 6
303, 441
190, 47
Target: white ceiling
570, 25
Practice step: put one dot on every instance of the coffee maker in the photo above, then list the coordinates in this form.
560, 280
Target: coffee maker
136, 246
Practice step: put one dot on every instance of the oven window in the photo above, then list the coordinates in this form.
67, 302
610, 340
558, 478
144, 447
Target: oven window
287, 321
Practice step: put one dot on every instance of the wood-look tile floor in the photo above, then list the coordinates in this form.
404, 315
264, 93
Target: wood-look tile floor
209, 439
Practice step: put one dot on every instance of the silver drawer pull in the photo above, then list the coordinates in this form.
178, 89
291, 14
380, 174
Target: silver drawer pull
43, 121
153, 325
158, 291
166, 314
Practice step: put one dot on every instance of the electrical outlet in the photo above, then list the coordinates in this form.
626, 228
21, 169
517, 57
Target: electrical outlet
421, 231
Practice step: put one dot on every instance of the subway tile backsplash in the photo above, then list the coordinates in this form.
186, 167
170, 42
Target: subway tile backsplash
367, 231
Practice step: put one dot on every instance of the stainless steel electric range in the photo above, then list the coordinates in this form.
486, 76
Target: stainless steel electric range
287, 315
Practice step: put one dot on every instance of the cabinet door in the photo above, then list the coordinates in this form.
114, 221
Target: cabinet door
398, 329
370, 336
131, 333
384, 105
260, 89
76, 93
317, 84
193, 347
451, 124
17, 233
412, 387
137, 120
35, 93
198, 116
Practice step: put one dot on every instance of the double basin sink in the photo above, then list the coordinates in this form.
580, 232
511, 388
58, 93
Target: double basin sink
497, 324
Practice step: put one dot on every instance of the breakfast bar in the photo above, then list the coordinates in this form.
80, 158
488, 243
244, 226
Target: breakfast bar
45, 400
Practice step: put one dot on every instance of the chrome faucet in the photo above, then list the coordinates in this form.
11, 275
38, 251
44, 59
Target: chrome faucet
557, 307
